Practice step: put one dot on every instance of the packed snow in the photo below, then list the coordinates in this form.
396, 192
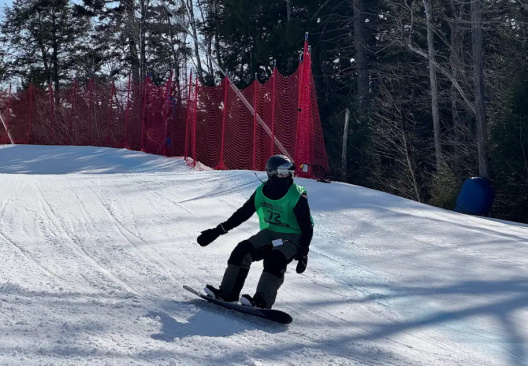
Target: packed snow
96, 243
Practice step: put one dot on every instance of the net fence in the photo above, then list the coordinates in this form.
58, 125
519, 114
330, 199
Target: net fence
219, 126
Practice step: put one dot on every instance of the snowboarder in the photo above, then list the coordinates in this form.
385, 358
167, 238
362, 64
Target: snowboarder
286, 229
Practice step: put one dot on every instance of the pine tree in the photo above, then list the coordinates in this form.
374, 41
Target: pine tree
45, 39
250, 35
135, 37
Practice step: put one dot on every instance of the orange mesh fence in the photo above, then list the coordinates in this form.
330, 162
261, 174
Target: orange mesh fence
221, 126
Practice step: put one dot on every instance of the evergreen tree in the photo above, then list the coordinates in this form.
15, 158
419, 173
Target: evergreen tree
343, 40
135, 37
251, 34
510, 152
45, 40
508, 117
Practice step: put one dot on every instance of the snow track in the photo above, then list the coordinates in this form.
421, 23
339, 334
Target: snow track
93, 258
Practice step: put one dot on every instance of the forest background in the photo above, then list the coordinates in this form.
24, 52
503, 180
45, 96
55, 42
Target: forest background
433, 92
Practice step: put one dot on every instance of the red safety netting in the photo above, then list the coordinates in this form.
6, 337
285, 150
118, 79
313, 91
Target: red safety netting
221, 126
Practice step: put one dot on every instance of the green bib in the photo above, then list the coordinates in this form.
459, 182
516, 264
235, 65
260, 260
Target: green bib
278, 215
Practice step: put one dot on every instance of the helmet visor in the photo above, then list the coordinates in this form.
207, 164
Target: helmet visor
284, 170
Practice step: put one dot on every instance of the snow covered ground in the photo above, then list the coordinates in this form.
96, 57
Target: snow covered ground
96, 243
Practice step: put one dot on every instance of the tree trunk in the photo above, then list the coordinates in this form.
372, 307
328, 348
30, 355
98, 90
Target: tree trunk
131, 38
55, 55
288, 10
175, 64
455, 66
410, 165
293, 60
361, 62
192, 20
216, 36
434, 86
478, 74
143, 5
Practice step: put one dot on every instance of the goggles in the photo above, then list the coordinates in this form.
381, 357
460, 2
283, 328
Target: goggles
284, 171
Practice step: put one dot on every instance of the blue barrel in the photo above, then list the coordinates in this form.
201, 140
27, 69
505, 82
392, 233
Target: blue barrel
476, 197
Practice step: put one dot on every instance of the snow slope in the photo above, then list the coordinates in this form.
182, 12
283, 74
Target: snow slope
95, 245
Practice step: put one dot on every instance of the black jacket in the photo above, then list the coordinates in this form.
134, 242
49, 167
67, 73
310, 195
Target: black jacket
275, 191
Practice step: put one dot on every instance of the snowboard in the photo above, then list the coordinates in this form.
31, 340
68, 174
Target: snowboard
273, 315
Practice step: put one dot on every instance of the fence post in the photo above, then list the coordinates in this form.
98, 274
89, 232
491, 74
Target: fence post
166, 109
255, 108
31, 92
127, 113
303, 148
300, 98
72, 112
51, 113
221, 165
344, 147
273, 81
186, 153
111, 114
90, 91
144, 112
8, 114
194, 118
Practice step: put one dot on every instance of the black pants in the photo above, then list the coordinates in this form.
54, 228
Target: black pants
256, 248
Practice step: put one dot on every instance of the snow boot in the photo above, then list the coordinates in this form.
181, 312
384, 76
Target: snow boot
217, 294
256, 302
247, 300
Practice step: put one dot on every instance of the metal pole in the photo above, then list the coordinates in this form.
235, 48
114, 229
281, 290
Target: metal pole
344, 148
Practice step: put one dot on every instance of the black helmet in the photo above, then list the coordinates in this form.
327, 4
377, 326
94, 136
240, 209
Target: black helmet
280, 166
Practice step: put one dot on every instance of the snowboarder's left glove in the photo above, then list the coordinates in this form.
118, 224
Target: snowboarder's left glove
302, 252
301, 264
210, 235
302, 258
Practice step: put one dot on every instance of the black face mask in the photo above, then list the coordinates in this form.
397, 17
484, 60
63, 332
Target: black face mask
281, 184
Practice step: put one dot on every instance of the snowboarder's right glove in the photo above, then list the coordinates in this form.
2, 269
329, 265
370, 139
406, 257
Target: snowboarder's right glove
210, 235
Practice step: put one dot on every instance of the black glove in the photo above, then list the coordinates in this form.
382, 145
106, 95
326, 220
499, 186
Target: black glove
210, 235
302, 258
301, 264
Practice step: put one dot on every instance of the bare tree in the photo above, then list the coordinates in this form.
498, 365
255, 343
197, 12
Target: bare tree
394, 141
408, 29
455, 65
142, 32
361, 61
192, 21
208, 40
175, 43
434, 86
478, 73
129, 35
